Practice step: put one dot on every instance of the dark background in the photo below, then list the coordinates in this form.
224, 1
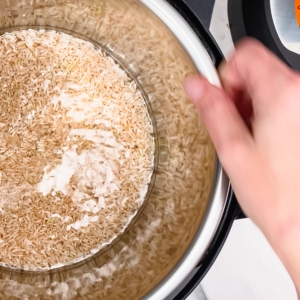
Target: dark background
203, 9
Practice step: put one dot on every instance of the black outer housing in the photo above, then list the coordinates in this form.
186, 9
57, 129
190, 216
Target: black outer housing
204, 35
232, 210
203, 9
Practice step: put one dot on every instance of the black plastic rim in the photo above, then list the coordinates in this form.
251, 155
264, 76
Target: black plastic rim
204, 35
253, 18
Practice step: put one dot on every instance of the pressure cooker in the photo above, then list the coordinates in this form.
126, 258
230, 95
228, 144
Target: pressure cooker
189, 208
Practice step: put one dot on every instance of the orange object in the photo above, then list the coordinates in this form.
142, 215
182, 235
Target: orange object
297, 9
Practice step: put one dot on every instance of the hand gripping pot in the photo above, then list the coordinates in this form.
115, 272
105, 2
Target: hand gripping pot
188, 191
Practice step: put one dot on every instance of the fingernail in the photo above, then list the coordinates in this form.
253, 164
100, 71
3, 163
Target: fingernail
194, 87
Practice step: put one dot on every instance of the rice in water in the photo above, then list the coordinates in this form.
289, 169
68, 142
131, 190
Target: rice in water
76, 149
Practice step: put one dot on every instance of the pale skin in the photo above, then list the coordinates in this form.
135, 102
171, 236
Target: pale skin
254, 122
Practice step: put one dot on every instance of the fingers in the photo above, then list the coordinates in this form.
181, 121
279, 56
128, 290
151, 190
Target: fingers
221, 118
256, 74
233, 140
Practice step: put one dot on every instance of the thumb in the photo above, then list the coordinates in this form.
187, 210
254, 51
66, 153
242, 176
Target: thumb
226, 127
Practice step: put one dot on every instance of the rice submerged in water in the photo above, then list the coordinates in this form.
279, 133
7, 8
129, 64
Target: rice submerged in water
185, 160
76, 149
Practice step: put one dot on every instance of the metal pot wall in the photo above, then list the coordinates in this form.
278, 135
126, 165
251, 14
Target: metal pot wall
189, 207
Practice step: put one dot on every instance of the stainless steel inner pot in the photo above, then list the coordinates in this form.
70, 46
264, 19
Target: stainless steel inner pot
189, 189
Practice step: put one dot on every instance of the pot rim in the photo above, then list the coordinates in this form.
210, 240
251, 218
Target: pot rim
198, 54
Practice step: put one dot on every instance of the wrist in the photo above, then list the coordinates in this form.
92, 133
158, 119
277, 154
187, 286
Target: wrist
284, 237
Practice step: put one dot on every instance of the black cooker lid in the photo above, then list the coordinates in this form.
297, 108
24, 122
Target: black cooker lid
254, 18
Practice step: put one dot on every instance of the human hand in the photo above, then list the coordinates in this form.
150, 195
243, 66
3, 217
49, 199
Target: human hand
254, 123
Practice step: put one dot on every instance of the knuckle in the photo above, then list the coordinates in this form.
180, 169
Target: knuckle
231, 151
